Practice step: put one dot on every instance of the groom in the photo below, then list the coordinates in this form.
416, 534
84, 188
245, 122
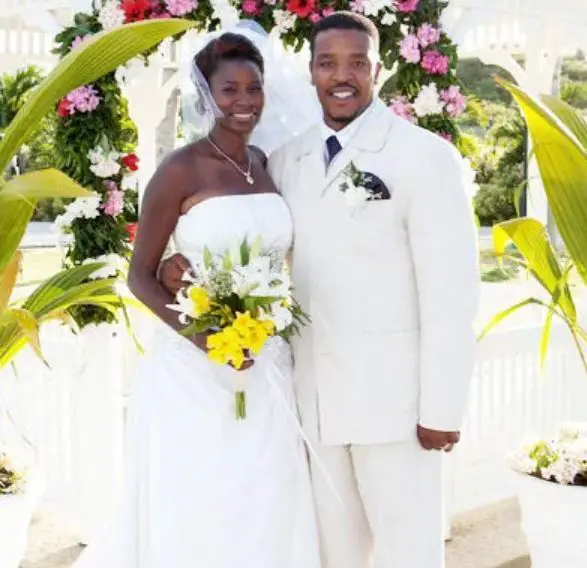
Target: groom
385, 261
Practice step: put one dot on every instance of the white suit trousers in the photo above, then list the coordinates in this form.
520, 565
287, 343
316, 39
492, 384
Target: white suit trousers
392, 511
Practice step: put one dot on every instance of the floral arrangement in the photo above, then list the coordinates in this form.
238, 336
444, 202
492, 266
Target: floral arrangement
240, 299
354, 187
12, 479
562, 459
96, 139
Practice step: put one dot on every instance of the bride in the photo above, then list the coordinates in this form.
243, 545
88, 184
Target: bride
203, 489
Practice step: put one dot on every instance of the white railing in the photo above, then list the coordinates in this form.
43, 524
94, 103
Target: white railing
509, 401
20, 46
512, 400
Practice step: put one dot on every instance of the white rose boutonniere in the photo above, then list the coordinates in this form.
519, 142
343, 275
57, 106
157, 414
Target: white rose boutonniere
354, 187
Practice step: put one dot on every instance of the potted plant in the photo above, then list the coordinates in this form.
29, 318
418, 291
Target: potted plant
18, 496
552, 473
552, 491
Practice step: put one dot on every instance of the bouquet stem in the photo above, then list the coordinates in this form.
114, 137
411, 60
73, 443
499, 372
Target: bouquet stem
240, 395
240, 399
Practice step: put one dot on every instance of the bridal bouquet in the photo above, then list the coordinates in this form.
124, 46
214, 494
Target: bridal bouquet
240, 299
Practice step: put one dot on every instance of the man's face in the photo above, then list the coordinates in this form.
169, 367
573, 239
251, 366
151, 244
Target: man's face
344, 69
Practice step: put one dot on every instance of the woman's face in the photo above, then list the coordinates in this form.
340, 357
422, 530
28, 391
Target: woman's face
237, 88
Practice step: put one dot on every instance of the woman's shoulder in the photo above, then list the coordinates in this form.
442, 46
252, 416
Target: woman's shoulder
260, 155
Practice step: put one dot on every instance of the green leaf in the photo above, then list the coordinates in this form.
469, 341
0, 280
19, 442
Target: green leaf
17, 204
207, 258
569, 116
8, 279
95, 57
495, 320
562, 162
531, 239
245, 255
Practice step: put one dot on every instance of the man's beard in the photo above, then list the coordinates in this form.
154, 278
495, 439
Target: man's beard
346, 120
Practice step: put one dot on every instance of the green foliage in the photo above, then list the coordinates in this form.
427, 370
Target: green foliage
478, 79
494, 203
14, 90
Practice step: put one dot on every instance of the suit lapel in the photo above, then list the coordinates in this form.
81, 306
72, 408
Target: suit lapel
371, 137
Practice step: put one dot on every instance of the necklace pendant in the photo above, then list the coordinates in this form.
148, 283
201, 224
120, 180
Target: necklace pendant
249, 179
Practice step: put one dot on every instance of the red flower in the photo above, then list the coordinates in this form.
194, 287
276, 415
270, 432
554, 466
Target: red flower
131, 229
131, 161
302, 8
135, 10
64, 108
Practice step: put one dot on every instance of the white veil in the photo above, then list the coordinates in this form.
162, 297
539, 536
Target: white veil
291, 105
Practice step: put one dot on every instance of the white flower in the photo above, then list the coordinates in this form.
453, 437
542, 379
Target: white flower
561, 470
254, 279
388, 19
284, 21
104, 165
185, 307
111, 16
428, 101
129, 182
87, 207
373, 7
114, 264
280, 315
225, 12
356, 195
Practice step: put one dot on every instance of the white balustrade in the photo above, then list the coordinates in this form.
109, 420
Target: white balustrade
73, 415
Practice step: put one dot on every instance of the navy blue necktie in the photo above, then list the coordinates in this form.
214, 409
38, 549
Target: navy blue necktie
333, 147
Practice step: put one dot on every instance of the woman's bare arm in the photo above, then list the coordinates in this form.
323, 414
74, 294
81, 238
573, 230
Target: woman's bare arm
169, 187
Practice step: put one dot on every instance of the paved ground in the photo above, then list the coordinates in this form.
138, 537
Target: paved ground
486, 538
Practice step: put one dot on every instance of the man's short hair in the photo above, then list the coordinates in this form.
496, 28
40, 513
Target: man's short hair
345, 21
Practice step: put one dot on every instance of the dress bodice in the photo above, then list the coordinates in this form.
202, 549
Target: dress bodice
222, 222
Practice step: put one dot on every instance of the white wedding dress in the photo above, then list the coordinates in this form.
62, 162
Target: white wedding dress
202, 489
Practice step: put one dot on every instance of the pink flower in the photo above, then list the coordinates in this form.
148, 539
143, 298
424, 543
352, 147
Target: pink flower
400, 106
78, 41
250, 7
428, 35
406, 6
446, 136
328, 12
435, 63
357, 6
180, 7
160, 16
315, 17
83, 99
456, 102
115, 202
409, 48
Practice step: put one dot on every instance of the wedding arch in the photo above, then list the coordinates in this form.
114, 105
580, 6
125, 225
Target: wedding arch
99, 145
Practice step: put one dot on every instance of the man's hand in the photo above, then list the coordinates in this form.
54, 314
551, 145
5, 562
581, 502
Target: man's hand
437, 439
171, 273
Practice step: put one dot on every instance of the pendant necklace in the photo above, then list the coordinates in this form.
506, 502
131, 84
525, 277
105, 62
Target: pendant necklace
245, 173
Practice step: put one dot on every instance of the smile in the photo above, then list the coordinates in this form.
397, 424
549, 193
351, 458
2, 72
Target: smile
244, 116
343, 95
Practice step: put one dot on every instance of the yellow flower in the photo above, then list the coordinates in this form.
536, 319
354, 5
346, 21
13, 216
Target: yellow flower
225, 347
200, 300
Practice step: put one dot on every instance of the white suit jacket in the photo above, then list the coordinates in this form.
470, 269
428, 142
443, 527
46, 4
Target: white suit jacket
392, 289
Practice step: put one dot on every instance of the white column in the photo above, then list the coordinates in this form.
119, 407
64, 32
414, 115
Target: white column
542, 58
97, 427
147, 94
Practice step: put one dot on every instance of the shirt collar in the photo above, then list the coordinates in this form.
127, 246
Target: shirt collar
345, 134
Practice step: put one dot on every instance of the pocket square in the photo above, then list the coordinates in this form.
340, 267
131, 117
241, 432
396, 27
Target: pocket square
377, 188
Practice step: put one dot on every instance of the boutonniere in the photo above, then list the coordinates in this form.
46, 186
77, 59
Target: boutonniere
354, 186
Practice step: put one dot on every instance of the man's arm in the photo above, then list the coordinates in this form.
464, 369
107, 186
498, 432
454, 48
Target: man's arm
443, 239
